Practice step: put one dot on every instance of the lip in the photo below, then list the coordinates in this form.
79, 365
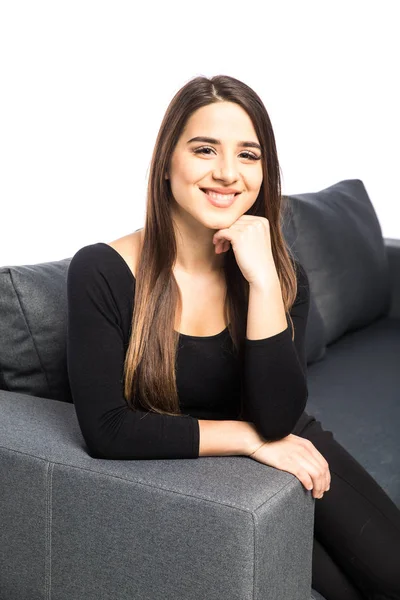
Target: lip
219, 203
221, 190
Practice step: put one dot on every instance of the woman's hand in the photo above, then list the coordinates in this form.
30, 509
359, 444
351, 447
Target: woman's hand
298, 456
250, 239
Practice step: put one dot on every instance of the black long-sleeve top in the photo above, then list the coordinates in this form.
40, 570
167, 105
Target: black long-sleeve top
100, 293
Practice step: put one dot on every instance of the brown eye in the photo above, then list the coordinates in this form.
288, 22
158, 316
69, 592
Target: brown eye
249, 155
252, 156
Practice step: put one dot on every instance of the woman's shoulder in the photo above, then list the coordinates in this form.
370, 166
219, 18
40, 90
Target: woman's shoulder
109, 264
128, 247
117, 254
89, 258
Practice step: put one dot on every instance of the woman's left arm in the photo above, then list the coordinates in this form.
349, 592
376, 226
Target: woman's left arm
275, 367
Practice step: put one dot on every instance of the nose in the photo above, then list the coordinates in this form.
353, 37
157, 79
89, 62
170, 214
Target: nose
226, 169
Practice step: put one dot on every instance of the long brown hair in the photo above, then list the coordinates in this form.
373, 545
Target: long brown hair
150, 361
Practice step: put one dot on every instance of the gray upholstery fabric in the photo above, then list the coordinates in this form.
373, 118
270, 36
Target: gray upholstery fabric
392, 247
33, 326
220, 527
338, 240
355, 393
315, 338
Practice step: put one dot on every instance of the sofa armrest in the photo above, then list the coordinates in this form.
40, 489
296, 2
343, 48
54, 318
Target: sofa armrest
214, 527
392, 247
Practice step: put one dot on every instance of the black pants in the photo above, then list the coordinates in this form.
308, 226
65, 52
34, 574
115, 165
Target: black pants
356, 552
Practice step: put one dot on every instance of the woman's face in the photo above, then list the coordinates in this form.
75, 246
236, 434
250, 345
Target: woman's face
196, 165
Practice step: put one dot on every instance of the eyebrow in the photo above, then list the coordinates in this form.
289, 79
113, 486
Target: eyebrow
210, 140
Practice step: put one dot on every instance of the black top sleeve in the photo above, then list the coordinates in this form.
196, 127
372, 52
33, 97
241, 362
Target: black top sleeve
95, 358
275, 371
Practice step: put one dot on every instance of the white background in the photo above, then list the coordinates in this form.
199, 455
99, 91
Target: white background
85, 84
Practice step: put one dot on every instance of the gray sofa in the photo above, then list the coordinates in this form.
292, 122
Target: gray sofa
229, 528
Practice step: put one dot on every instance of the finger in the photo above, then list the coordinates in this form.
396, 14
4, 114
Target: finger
317, 465
313, 468
317, 456
222, 235
293, 465
222, 246
304, 477
316, 453
298, 466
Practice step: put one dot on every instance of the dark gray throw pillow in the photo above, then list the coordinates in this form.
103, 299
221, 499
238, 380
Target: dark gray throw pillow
336, 236
33, 328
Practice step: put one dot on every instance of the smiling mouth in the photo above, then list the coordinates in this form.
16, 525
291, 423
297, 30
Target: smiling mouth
220, 200
220, 195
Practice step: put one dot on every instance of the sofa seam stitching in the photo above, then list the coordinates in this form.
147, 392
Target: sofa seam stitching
158, 487
254, 557
48, 508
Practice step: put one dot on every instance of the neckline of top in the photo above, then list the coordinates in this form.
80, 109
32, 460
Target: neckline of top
191, 337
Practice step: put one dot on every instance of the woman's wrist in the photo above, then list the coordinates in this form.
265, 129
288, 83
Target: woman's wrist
252, 439
262, 444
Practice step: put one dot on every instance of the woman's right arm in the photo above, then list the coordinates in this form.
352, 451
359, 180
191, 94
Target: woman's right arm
227, 438
95, 360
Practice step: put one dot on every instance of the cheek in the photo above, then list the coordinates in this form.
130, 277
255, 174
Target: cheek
187, 166
195, 171
253, 182
180, 178
256, 187
257, 178
253, 178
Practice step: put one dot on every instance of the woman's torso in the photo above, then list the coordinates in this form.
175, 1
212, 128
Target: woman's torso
203, 297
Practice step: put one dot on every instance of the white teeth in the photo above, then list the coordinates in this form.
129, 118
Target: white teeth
220, 196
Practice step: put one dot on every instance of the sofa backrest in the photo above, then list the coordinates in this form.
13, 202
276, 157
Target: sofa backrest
336, 236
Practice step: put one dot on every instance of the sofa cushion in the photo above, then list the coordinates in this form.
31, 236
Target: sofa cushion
354, 392
33, 329
315, 331
337, 237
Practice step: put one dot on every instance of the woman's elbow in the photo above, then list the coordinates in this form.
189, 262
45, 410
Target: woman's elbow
97, 449
97, 445
277, 429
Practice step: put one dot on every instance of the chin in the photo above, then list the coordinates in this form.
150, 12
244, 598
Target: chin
223, 222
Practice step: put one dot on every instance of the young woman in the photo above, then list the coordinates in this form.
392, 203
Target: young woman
181, 334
